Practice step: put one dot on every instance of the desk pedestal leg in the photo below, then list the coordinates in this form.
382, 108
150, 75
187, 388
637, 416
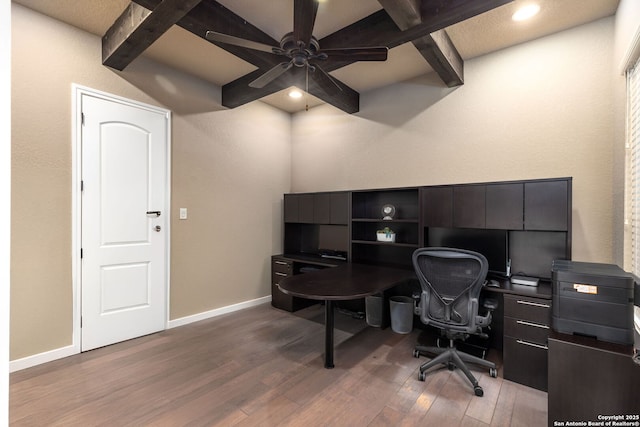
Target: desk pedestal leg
328, 339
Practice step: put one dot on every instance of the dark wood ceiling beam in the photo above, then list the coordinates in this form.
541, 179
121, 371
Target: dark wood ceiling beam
378, 29
439, 51
238, 92
137, 28
211, 15
324, 88
436, 47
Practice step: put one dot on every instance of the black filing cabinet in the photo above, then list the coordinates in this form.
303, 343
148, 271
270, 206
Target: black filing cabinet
282, 267
527, 322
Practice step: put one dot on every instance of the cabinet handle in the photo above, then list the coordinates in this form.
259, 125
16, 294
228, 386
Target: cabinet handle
523, 322
544, 347
281, 262
277, 273
535, 304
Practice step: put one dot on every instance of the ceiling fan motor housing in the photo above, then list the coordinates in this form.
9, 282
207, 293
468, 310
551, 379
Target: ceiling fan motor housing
297, 50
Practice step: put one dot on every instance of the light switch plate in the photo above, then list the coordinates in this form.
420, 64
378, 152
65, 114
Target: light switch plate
183, 213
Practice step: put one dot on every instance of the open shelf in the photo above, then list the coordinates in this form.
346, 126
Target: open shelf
366, 220
372, 242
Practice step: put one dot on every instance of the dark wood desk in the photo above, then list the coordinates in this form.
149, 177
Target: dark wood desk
345, 282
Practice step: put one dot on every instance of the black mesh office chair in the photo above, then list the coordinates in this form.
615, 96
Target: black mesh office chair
451, 281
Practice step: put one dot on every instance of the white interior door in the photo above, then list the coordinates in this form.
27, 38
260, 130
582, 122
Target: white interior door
124, 221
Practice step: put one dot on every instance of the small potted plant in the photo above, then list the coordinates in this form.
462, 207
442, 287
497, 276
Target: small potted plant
386, 235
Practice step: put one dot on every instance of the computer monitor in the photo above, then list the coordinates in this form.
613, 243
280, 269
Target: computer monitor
493, 244
532, 252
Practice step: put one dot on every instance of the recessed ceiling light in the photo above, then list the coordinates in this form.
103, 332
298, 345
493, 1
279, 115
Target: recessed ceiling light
526, 12
295, 94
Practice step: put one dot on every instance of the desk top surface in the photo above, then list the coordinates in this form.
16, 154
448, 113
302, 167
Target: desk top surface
543, 290
347, 281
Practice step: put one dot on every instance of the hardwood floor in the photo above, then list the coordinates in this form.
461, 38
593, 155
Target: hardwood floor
260, 367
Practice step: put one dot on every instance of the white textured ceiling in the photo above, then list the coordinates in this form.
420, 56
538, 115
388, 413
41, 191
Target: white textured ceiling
482, 34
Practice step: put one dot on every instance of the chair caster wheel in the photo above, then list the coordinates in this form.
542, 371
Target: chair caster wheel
422, 376
451, 366
478, 391
493, 372
416, 353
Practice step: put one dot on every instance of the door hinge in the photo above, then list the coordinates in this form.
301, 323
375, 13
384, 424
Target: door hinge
81, 253
81, 321
81, 185
82, 119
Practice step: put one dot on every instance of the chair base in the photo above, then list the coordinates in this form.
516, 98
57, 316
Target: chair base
453, 358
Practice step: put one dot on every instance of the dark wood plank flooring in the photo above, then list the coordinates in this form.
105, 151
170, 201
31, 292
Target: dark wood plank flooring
261, 367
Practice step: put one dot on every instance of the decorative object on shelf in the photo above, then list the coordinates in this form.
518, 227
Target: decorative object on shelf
388, 211
386, 235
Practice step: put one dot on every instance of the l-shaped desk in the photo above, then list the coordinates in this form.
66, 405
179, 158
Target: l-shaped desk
520, 324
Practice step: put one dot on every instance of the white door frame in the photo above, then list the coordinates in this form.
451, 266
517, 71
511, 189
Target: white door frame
76, 194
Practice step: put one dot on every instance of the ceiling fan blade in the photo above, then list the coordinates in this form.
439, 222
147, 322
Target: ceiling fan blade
271, 75
304, 18
325, 81
237, 41
358, 53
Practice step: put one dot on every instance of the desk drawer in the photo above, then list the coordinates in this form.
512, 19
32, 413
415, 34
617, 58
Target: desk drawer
282, 266
526, 330
276, 276
528, 362
536, 310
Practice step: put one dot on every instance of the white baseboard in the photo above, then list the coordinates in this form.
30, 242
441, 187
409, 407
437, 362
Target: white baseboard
217, 312
47, 356
59, 353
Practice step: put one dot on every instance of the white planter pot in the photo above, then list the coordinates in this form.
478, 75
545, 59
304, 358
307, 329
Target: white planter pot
386, 237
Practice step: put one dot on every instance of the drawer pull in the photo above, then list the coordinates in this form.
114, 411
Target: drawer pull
535, 304
277, 273
522, 322
281, 262
544, 347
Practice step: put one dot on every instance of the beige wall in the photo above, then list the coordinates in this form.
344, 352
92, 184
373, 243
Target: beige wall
5, 200
537, 110
231, 182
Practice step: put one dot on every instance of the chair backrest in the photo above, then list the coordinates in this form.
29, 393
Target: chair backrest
451, 281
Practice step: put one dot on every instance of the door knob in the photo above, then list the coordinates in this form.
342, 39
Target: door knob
157, 228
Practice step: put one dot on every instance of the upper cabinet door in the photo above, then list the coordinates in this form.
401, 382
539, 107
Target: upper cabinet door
298, 208
306, 208
546, 205
504, 206
322, 208
469, 206
340, 208
291, 207
437, 206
